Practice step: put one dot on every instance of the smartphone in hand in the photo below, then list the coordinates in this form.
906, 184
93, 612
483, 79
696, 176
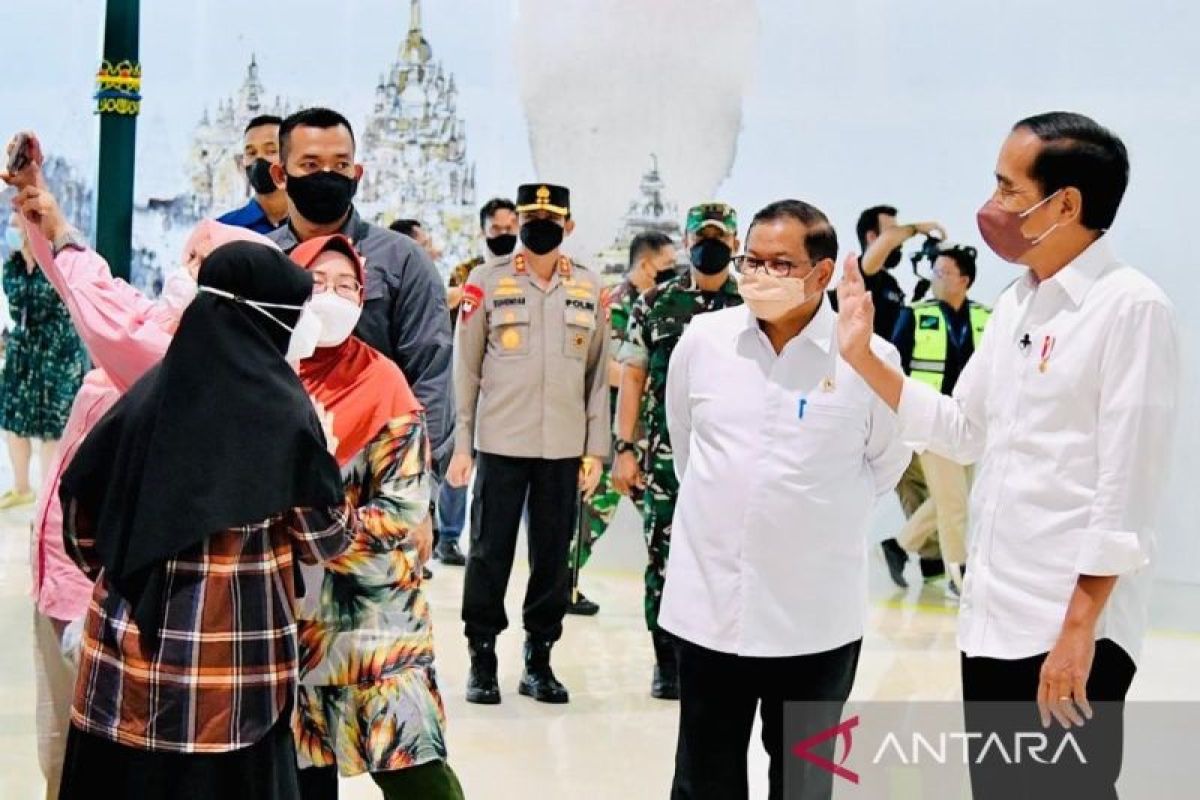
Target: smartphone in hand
23, 150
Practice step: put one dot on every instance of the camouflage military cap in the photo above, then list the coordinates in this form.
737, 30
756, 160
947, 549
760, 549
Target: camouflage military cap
720, 214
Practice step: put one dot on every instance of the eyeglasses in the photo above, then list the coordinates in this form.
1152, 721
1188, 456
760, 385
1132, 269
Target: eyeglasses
344, 287
776, 267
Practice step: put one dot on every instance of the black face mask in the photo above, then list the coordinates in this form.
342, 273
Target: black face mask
710, 256
541, 236
893, 259
501, 245
322, 197
259, 175
662, 276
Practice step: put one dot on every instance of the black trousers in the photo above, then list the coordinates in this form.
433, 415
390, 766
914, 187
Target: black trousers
98, 767
1000, 696
502, 486
719, 695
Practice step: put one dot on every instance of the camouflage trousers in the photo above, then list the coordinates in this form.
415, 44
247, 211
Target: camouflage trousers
598, 513
662, 490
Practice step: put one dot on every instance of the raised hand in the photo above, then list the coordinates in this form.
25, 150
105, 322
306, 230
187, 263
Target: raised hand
31, 173
39, 208
856, 314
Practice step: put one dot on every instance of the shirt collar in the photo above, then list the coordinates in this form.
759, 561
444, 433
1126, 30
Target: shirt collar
288, 239
819, 330
687, 283
255, 211
1076, 278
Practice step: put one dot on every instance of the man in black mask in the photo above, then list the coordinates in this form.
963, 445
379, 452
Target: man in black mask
404, 316
658, 320
532, 382
267, 209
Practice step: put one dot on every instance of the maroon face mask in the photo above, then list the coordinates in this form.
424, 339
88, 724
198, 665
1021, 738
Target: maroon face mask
1001, 229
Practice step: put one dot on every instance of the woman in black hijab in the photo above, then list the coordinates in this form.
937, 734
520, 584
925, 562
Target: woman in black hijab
186, 504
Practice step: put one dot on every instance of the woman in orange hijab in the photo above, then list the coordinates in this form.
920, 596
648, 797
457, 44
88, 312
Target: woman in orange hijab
368, 699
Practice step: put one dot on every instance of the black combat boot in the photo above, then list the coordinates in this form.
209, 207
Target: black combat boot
538, 680
482, 686
665, 684
582, 607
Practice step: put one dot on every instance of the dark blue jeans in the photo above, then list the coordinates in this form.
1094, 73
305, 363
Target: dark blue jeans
451, 512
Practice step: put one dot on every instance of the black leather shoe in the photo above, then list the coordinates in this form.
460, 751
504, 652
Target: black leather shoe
449, 554
538, 680
932, 569
665, 683
582, 607
482, 686
896, 559
426, 573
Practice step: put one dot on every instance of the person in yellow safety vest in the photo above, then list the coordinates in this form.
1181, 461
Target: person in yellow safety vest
936, 338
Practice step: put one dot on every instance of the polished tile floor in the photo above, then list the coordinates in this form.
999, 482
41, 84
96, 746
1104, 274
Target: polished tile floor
613, 740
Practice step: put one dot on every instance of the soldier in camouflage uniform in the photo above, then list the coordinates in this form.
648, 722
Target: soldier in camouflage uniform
651, 262
658, 319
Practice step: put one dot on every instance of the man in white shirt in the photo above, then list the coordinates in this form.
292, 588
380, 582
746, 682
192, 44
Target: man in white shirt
1068, 408
781, 451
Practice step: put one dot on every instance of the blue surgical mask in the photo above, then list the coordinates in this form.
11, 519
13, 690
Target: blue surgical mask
14, 238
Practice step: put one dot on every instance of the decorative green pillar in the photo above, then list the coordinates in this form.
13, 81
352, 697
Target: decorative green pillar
118, 101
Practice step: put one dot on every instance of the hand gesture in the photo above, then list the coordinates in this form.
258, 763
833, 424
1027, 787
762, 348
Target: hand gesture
856, 314
931, 228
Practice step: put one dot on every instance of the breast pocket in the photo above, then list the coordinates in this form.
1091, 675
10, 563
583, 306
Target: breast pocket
509, 331
828, 428
578, 327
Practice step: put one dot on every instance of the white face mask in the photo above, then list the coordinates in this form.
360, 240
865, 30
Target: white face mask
178, 292
306, 334
338, 317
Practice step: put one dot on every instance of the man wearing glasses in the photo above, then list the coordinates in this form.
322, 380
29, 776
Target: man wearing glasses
658, 319
936, 338
781, 452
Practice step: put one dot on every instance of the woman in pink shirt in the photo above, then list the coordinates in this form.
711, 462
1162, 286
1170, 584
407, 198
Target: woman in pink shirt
125, 334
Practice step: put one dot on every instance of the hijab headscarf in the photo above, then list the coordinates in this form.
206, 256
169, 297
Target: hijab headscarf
363, 389
220, 434
206, 237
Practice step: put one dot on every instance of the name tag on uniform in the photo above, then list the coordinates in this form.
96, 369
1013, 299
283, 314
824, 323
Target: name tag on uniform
501, 302
930, 323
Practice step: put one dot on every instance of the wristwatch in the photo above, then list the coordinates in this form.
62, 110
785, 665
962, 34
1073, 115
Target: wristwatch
624, 446
69, 238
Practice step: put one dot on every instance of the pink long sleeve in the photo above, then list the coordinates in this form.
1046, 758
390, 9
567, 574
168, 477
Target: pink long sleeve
117, 323
60, 588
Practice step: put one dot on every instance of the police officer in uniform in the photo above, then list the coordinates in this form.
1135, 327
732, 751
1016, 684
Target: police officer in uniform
532, 385
936, 338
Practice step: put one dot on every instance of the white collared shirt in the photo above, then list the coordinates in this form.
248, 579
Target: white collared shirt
1071, 428
780, 459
